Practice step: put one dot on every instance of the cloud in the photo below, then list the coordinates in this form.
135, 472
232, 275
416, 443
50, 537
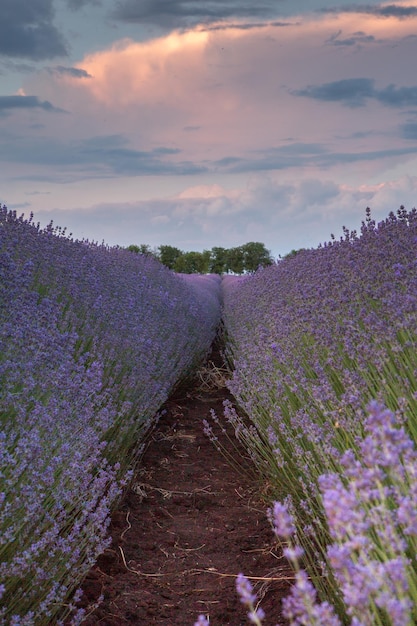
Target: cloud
357, 38
114, 154
14, 67
280, 158
389, 10
394, 10
245, 25
18, 205
37, 193
409, 130
73, 72
27, 30
283, 215
285, 158
103, 156
191, 218
9, 103
225, 103
111, 156
197, 90
185, 13
354, 92
79, 4
397, 97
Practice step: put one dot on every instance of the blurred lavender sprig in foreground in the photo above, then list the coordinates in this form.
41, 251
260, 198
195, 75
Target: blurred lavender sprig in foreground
92, 341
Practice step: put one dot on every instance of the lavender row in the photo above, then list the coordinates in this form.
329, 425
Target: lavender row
92, 341
315, 340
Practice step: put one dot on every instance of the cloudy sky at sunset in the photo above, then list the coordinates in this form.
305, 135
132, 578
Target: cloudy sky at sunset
202, 123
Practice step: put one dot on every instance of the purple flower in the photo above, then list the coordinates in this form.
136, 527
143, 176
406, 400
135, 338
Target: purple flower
245, 590
293, 554
301, 606
92, 341
248, 598
202, 621
324, 355
407, 515
282, 521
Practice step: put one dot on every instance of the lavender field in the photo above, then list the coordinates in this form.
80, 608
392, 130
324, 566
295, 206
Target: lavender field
93, 340
324, 348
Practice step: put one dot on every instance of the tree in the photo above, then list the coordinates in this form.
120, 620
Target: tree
235, 260
168, 255
143, 248
193, 263
133, 248
218, 260
255, 255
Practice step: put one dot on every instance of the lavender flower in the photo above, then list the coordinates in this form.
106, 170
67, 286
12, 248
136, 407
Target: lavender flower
248, 598
92, 341
324, 354
283, 522
202, 621
301, 606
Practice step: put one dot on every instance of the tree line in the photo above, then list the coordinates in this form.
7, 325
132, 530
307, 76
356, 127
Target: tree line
239, 260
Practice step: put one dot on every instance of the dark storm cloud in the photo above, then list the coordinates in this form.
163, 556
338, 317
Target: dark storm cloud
69, 71
390, 10
354, 92
27, 30
179, 13
9, 103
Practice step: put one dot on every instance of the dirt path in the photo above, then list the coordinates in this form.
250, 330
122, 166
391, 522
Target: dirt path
189, 524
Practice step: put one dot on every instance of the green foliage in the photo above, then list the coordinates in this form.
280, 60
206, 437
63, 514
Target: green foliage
235, 260
168, 255
218, 260
255, 255
193, 263
134, 248
238, 260
143, 248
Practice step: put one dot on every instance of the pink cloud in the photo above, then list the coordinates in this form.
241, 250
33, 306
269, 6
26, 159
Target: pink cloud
226, 100
233, 84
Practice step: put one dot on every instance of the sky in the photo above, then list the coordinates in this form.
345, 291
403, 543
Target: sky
202, 123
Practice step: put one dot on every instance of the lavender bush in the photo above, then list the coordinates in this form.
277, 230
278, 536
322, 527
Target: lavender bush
315, 339
92, 341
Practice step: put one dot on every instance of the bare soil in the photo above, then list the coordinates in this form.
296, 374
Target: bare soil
190, 522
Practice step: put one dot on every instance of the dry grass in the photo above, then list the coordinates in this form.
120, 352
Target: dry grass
211, 378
